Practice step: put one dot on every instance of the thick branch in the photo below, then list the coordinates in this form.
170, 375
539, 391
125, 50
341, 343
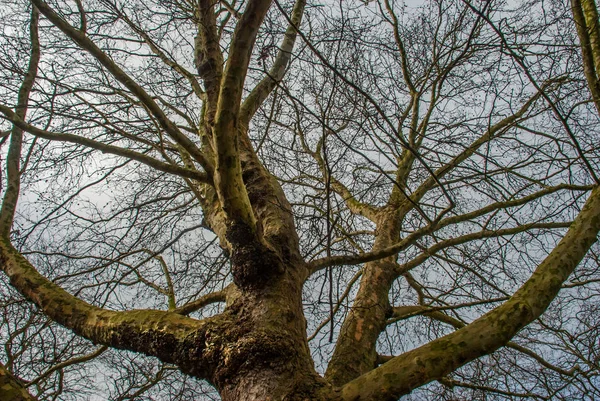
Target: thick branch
228, 172
208, 56
586, 22
13, 159
590, 12
355, 350
405, 312
433, 361
154, 333
11, 388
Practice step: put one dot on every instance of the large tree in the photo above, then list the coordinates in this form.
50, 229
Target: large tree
299, 201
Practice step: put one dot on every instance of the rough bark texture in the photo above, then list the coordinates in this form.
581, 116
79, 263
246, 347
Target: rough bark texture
404, 373
265, 354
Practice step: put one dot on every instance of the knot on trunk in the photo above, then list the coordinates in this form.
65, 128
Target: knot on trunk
253, 263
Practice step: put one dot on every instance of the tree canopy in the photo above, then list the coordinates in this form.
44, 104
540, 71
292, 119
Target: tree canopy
299, 200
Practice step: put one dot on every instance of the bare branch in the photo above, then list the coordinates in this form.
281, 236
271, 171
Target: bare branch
85, 43
12, 388
262, 90
105, 148
493, 330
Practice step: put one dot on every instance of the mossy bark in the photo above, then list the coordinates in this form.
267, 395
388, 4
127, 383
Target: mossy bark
264, 354
11, 388
257, 348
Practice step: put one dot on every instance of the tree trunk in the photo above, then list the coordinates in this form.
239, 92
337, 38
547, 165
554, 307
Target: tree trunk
262, 352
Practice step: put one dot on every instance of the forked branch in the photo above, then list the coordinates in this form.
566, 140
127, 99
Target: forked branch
493, 330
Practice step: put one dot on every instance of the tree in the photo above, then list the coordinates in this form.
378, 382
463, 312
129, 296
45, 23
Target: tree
300, 201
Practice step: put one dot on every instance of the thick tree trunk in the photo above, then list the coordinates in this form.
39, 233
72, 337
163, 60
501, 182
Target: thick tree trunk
285, 383
262, 351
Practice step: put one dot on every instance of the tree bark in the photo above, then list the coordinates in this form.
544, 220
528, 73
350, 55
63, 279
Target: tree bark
257, 348
11, 388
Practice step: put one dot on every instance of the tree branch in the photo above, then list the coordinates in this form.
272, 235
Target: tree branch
493, 330
490, 134
104, 148
137, 330
59, 366
353, 204
262, 90
213, 297
229, 184
410, 240
208, 56
322, 263
405, 312
585, 15
11, 388
162, 55
87, 44
13, 158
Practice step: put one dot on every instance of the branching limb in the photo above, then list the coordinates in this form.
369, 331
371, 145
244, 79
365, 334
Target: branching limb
229, 184
67, 363
412, 238
432, 250
87, 44
229, 7
319, 264
213, 297
134, 330
490, 332
105, 148
12, 389
261, 91
493, 132
162, 55
13, 158
520, 60
405, 312
585, 15
208, 56
353, 204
